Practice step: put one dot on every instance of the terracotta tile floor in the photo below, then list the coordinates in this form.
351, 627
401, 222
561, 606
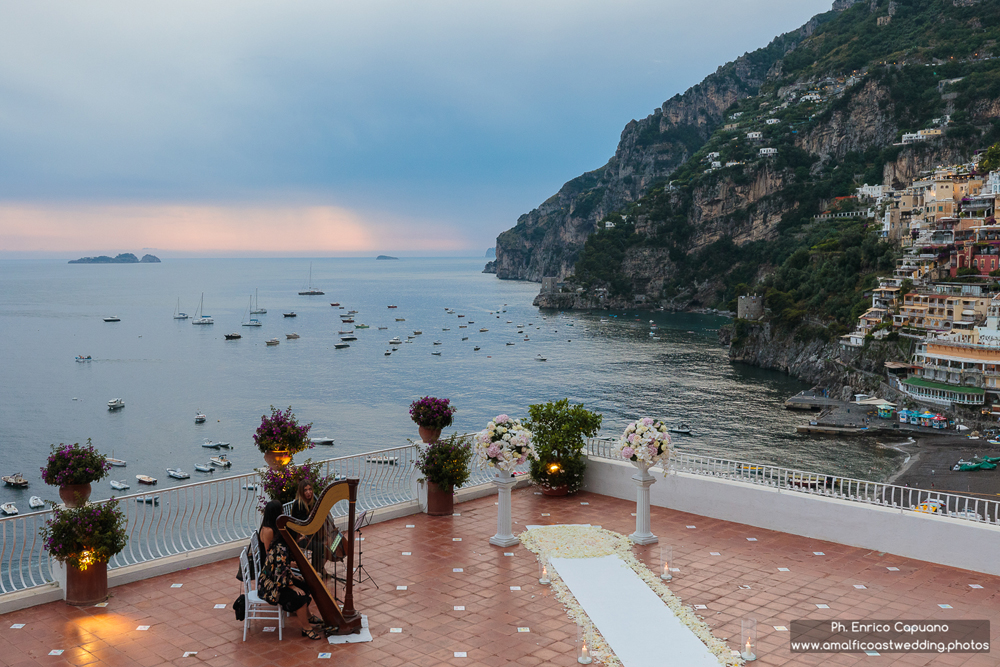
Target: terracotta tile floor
184, 619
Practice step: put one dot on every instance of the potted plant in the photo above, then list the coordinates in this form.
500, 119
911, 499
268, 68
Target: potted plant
281, 483
445, 467
558, 430
280, 436
431, 415
72, 468
84, 539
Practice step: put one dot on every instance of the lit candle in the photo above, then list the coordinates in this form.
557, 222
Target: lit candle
584, 658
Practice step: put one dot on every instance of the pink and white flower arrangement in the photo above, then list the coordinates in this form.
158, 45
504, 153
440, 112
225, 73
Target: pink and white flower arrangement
646, 440
504, 444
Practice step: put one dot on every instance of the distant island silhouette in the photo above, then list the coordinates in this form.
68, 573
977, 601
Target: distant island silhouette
386, 257
123, 258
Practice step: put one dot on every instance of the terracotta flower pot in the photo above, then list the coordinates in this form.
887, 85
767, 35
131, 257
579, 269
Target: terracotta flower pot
87, 587
554, 490
428, 434
74, 495
440, 502
276, 460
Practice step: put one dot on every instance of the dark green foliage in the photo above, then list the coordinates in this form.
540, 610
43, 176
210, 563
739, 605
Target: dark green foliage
557, 431
991, 159
446, 462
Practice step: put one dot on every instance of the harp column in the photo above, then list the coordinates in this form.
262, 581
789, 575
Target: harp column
504, 537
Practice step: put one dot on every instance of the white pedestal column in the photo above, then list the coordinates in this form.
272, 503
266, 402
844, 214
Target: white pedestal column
643, 480
504, 537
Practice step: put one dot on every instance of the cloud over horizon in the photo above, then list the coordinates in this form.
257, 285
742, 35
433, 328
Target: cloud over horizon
449, 118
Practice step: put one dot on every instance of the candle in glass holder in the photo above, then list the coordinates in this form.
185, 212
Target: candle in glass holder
748, 636
583, 651
666, 557
543, 571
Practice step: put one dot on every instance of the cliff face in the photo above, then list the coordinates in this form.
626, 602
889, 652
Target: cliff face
547, 241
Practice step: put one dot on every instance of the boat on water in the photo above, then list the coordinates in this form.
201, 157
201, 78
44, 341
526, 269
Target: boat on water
16, 480
388, 352
145, 479
475, 349
335, 303
178, 315
117, 463
395, 341
540, 358
35, 502
211, 444
113, 318
271, 341
321, 441
436, 354
352, 312
417, 332
149, 500
250, 321
256, 309
204, 467
200, 418
346, 338
290, 313
346, 320
221, 461
400, 319
463, 326
340, 346
80, 358
200, 316
509, 343
119, 486
233, 336
445, 329
680, 428
177, 473
437, 342
312, 291
483, 330
344, 332
291, 336
465, 338
381, 328
9, 509
390, 306
116, 403
361, 326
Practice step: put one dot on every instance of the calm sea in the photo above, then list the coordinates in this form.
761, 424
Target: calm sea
167, 370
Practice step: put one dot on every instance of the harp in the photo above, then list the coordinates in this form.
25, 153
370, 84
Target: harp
338, 621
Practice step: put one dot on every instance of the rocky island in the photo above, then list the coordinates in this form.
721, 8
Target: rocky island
123, 258
386, 257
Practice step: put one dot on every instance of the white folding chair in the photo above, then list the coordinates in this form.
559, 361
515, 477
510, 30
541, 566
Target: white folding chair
255, 552
257, 609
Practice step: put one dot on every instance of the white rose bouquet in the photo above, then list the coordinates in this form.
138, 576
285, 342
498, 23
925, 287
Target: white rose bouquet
645, 440
504, 443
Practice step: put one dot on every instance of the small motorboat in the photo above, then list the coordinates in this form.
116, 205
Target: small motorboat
417, 333
345, 333
388, 352
8, 508
509, 343
465, 338
204, 467
290, 314
200, 418
346, 320
16, 480
145, 479
471, 322
436, 354
252, 486
291, 336
321, 441
233, 336
437, 342
361, 326
475, 349
540, 358
350, 337
463, 326
272, 341
382, 328
337, 303
119, 486
116, 403
395, 341
81, 358
390, 306
483, 330
149, 500
461, 315
340, 346
117, 463
212, 444
113, 318
400, 319
35, 502
446, 329
680, 428
221, 461
177, 473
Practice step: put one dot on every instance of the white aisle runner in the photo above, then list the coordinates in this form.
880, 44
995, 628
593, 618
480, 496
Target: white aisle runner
638, 626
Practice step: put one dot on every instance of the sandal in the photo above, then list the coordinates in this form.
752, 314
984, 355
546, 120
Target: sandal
315, 620
312, 634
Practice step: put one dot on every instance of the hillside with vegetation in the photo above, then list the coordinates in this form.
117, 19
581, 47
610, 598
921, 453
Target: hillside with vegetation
834, 107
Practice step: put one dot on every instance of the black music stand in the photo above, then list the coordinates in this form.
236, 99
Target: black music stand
362, 520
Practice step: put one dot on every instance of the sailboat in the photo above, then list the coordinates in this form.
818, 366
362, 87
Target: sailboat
312, 291
201, 317
256, 309
253, 321
178, 315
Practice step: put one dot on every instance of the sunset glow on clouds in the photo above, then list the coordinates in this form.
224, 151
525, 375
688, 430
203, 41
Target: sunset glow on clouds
388, 125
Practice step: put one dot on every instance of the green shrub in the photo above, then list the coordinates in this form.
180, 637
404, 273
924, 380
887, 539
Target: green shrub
558, 430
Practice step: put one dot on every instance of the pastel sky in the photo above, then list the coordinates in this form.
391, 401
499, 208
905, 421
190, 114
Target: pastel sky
326, 128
